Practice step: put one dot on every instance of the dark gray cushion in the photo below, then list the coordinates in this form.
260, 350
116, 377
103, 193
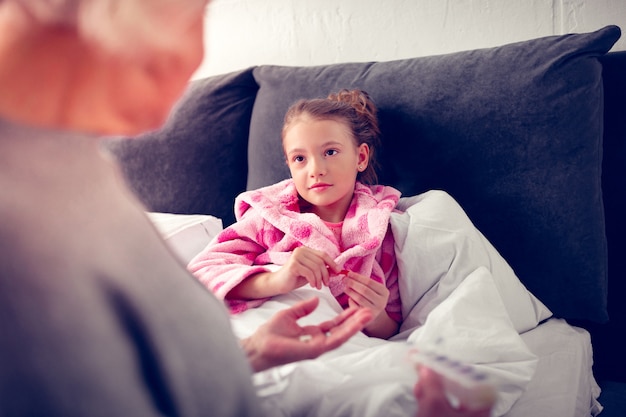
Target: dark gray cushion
197, 163
513, 133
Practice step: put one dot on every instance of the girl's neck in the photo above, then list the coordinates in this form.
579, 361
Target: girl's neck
330, 214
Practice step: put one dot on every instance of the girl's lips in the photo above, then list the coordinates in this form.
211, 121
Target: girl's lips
319, 186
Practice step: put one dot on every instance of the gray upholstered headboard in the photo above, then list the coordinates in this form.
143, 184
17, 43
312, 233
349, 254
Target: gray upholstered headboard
197, 163
514, 133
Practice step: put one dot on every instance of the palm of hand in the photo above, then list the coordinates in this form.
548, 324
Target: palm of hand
282, 340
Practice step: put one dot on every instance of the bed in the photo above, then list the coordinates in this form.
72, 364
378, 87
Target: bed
537, 362
512, 165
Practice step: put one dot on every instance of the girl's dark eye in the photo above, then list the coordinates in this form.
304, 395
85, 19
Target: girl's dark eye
298, 158
331, 152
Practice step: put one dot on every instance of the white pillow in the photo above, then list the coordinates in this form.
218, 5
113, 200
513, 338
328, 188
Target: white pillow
186, 234
437, 246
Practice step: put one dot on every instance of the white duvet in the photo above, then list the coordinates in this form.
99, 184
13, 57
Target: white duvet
459, 298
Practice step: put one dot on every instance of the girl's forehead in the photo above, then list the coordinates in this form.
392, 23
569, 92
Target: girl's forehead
308, 119
312, 130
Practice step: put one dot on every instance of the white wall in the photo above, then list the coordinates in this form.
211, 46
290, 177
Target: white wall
242, 33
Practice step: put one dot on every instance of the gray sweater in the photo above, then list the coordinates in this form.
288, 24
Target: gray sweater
97, 317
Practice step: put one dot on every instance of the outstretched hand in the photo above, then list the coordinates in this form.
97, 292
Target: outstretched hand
282, 340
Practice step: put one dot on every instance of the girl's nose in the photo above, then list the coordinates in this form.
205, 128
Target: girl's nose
317, 167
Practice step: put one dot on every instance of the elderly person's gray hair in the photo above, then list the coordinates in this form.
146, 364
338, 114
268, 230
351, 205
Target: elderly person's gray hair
121, 26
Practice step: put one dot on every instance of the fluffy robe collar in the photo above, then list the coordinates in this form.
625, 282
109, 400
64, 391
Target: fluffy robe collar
364, 227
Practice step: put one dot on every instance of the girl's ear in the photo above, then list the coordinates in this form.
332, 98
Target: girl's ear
363, 156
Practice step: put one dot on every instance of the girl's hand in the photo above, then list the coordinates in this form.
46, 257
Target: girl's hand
366, 293
305, 265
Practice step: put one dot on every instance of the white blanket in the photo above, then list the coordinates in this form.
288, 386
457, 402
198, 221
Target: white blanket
459, 298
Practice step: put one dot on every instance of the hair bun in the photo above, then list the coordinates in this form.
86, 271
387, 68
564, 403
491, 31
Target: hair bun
360, 100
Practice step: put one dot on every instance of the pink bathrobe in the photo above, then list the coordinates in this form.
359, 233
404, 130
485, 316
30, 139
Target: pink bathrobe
270, 226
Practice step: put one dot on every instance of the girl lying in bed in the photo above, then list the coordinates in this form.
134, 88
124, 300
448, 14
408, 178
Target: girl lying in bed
326, 226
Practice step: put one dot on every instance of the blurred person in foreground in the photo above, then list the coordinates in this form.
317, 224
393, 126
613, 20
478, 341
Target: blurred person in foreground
97, 317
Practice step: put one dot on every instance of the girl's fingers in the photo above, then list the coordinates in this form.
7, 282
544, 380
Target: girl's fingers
364, 280
307, 265
366, 292
325, 259
368, 287
357, 300
326, 266
331, 263
317, 265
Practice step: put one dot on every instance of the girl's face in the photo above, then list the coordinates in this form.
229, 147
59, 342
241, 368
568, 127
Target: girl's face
324, 161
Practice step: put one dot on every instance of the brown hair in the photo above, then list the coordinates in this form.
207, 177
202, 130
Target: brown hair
353, 107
